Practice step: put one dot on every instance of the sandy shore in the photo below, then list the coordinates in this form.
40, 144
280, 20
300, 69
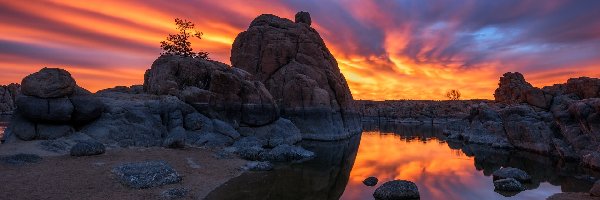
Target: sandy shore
66, 177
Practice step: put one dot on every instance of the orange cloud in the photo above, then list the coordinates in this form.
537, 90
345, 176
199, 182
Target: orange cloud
386, 50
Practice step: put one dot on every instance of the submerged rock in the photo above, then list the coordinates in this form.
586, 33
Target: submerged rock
397, 190
509, 172
88, 148
370, 181
508, 185
147, 174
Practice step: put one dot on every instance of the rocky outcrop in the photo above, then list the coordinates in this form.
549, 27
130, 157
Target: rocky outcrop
215, 89
514, 89
300, 73
8, 95
52, 105
561, 120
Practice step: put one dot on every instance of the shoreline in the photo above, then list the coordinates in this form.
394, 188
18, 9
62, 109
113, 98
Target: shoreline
67, 177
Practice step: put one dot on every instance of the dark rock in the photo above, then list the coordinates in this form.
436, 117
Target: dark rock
286, 153
20, 159
174, 193
45, 110
86, 108
370, 181
8, 94
280, 132
51, 131
251, 152
303, 17
225, 129
210, 139
88, 148
508, 185
48, 83
215, 89
397, 190
196, 121
22, 128
301, 75
175, 139
147, 174
595, 191
258, 166
509, 172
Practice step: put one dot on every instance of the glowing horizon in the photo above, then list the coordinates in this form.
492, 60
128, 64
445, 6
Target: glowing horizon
392, 50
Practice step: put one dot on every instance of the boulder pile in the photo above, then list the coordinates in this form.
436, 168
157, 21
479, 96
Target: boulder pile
274, 95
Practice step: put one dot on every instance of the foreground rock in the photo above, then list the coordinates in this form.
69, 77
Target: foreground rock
300, 73
572, 196
146, 174
87, 148
397, 190
508, 185
258, 166
174, 193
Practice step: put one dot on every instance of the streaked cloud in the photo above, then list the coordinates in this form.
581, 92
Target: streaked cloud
386, 49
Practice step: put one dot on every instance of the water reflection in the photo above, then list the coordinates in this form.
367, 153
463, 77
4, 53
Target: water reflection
442, 170
324, 177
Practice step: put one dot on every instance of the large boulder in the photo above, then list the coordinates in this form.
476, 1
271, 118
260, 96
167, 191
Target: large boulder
301, 74
282, 131
48, 83
213, 88
514, 89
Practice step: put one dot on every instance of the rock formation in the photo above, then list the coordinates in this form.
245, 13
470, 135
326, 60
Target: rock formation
8, 95
561, 120
51, 105
188, 101
298, 70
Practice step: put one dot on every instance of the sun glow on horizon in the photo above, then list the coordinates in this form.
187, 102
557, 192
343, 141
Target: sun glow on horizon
383, 55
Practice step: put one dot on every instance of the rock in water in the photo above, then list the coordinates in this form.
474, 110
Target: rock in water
371, 181
48, 83
397, 190
301, 74
88, 148
508, 185
146, 174
509, 172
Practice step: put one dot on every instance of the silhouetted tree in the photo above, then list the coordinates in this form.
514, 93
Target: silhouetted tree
453, 94
179, 44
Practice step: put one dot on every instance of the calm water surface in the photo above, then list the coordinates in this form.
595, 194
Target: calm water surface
441, 170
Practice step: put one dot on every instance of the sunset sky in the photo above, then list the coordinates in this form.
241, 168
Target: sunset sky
386, 49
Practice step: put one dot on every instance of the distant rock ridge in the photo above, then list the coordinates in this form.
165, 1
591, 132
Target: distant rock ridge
561, 120
293, 62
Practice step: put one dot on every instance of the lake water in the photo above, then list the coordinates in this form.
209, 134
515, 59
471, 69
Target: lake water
441, 170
